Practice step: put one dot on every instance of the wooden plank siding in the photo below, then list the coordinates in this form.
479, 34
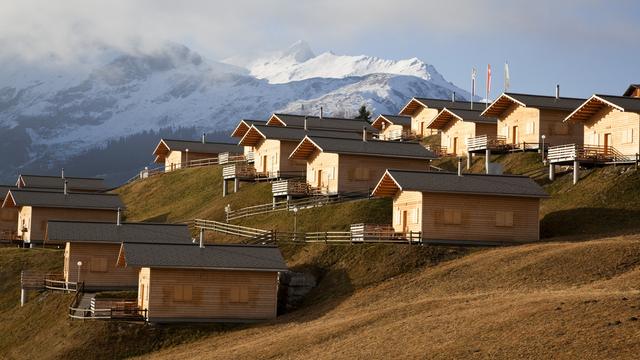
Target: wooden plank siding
360, 173
479, 216
532, 123
208, 295
407, 211
93, 272
392, 131
323, 171
34, 219
272, 157
175, 159
623, 129
8, 221
421, 118
454, 136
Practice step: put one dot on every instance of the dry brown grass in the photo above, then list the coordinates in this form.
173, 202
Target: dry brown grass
553, 300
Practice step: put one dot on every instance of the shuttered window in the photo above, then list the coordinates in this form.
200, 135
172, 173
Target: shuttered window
452, 216
531, 127
415, 215
182, 292
239, 294
504, 218
627, 136
98, 264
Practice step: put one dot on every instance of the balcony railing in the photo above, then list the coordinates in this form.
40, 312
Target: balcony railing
590, 153
239, 170
296, 187
484, 142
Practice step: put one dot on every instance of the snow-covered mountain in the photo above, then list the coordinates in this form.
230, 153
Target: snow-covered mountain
53, 113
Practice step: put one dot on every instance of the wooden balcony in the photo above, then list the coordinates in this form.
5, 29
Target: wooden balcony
585, 153
239, 170
487, 142
290, 187
396, 136
439, 151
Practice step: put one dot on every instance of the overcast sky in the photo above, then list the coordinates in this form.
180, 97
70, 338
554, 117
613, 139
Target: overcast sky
587, 46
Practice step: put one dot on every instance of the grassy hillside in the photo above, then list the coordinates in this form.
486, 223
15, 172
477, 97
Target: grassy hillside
554, 300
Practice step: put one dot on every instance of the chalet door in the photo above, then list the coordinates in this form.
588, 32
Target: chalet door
455, 145
141, 300
515, 134
607, 143
421, 129
405, 224
264, 164
319, 178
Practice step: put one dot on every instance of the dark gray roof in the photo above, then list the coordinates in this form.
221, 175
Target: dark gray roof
547, 102
57, 182
473, 116
441, 103
297, 134
203, 148
232, 257
396, 149
398, 119
109, 232
445, 182
326, 123
631, 89
70, 200
626, 103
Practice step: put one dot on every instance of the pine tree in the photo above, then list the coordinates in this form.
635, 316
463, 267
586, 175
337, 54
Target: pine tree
363, 113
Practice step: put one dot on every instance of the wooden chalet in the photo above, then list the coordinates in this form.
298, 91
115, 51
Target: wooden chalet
177, 154
57, 183
524, 119
8, 217
469, 208
214, 283
354, 165
97, 245
633, 91
610, 126
456, 126
423, 110
36, 208
393, 127
244, 125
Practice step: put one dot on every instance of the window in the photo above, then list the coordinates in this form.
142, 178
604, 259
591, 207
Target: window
504, 218
415, 216
182, 292
531, 127
98, 264
239, 294
360, 174
312, 175
396, 216
627, 136
452, 216
331, 174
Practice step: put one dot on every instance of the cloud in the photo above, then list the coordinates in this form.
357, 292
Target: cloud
68, 29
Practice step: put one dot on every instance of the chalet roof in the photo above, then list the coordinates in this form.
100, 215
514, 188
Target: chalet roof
504, 101
391, 119
438, 104
109, 232
166, 145
446, 115
19, 197
259, 132
57, 183
631, 89
219, 256
395, 149
244, 125
315, 122
445, 182
4, 189
596, 102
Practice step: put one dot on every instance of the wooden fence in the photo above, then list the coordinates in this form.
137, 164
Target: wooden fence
230, 229
227, 159
587, 153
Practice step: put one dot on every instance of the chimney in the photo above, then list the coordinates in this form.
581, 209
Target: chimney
459, 165
118, 223
320, 112
64, 189
453, 96
203, 137
557, 91
62, 173
305, 123
364, 134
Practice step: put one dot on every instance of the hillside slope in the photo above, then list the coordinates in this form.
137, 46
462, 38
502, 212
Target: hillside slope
554, 300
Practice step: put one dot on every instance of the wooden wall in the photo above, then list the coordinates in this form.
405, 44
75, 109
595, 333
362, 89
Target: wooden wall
409, 204
532, 123
197, 295
35, 219
462, 131
394, 129
173, 161
327, 163
94, 257
8, 220
623, 127
421, 118
358, 173
478, 215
